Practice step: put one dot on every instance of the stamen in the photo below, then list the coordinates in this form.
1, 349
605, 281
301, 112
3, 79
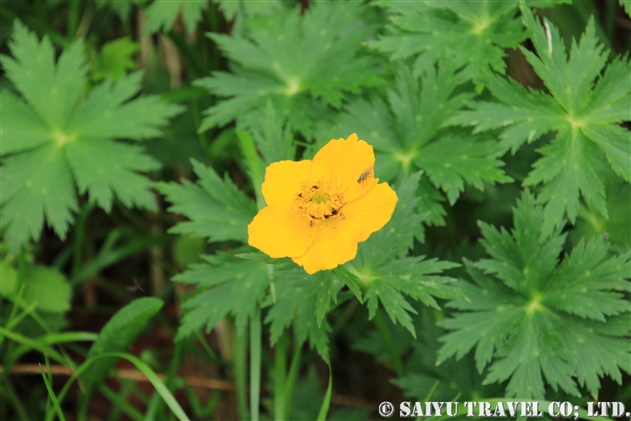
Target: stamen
320, 200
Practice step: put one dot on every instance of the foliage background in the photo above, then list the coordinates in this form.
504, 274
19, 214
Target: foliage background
134, 140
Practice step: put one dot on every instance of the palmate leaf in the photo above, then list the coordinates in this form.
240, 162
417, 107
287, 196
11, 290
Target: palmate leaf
584, 115
53, 134
531, 317
388, 275
227, 285
217, 209
406, 134
301, 64
471, 33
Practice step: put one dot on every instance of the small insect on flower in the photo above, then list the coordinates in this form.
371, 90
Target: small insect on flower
364, 176
318, 211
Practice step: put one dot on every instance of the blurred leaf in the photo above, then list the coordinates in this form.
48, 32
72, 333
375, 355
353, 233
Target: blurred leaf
115, 59
161, 14
47, 287
217, 208
54, 135
117, 335
187, 250
230, 8
9, 283
301, 64
121, 7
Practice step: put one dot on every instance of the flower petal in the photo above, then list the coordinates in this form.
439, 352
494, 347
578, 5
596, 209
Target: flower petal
336, 243
372, 210
345, 161
282, 181
281, 232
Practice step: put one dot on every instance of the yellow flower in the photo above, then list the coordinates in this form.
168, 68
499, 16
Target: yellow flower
318, 211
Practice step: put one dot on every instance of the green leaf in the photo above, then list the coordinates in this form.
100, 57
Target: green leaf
471, 33
117, 335
161, 14
381, 265
217, 208
121, 7
294, 302
325, 289
53, 134
396, 238
406, 134
301, 64
274, 137
46, 287
626, 4
9, 284
531, 318
230, 8
231, 286
115, 59
584, 108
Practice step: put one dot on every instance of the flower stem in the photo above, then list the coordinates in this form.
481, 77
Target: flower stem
255, 364
291, 379
280, 378
389, 343
240, 373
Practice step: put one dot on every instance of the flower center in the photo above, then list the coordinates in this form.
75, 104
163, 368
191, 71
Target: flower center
320, 200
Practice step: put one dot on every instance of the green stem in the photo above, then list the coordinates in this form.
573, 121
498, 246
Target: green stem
291, 379
280, 365
240, 373
8, 392
73, 18
389, 343
255, 364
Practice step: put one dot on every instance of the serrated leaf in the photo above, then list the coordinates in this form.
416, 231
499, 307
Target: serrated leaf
161, 14
534, 319
325, 290
117, 335
301, 64
274, 137
217, 209
385, 272
235, 287
583, 108
406, 134
231, 8
295, 304
470, 33
52, 129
